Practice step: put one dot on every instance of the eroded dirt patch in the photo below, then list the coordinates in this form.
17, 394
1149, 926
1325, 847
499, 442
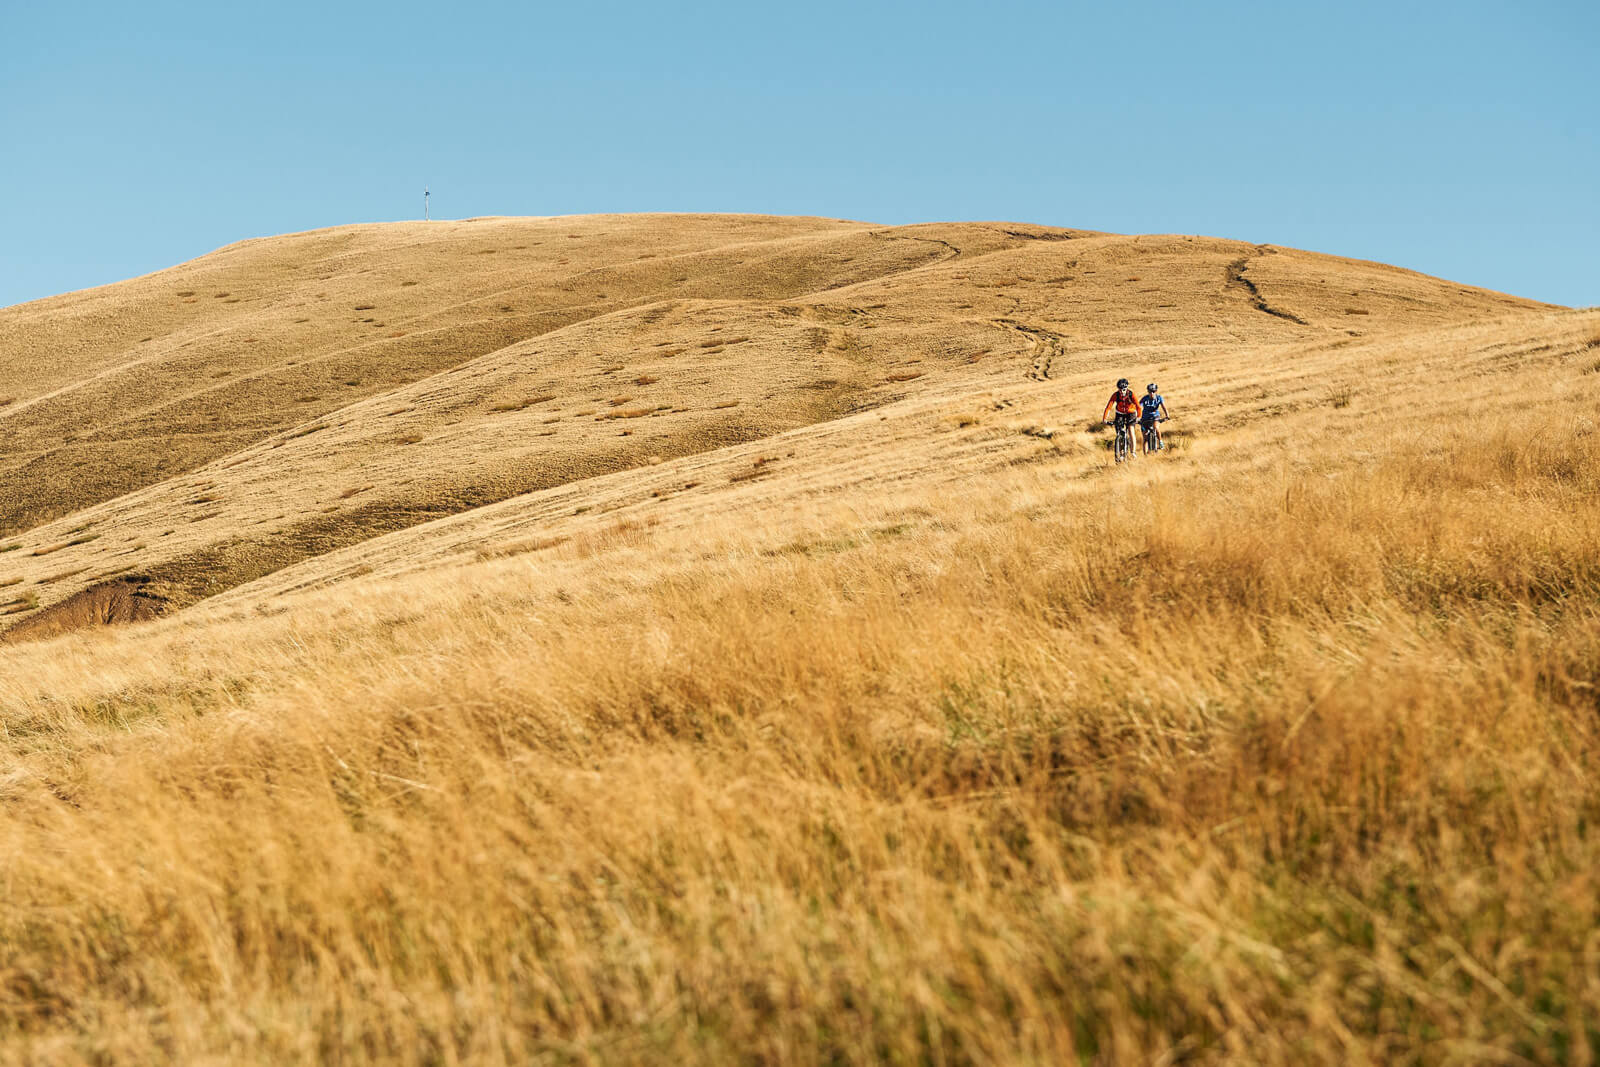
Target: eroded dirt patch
121, 600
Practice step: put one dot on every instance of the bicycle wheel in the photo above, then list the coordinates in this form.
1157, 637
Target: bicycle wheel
1124, 444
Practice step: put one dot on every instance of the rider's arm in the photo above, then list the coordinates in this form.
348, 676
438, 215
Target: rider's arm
1165, 414
1106, 414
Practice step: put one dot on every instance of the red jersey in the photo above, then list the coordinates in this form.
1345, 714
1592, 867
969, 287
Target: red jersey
1124, 401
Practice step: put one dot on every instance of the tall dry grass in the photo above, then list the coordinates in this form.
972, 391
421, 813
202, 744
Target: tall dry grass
1288, 766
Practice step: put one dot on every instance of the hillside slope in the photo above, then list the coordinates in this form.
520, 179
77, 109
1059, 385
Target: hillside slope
832, 696
1241, 407
114, 388
183, 433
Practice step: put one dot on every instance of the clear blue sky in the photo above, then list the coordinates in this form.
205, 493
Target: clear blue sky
1453, 138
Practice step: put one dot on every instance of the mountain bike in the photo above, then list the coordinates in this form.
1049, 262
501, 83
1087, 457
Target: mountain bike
1152, 437
1123, 447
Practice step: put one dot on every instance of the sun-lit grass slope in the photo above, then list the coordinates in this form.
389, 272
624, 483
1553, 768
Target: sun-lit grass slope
915, 735
109, 389
374, 378
957, 436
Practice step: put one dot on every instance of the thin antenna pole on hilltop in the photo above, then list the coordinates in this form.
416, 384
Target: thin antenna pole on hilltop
424, 203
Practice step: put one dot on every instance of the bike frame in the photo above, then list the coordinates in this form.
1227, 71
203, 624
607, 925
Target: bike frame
1124, 444
1153, 434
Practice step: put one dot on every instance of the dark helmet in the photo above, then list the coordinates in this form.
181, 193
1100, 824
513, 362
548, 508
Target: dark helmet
1122, 383
1150, 388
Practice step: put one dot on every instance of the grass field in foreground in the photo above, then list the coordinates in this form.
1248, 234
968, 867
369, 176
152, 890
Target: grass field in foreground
1289, 758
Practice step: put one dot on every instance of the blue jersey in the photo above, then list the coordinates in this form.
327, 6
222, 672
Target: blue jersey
1150, 406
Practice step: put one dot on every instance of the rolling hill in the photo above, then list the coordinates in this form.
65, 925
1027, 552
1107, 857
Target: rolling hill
728, 639
193, 430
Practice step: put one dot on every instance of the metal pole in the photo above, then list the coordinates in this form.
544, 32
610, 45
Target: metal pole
425, 204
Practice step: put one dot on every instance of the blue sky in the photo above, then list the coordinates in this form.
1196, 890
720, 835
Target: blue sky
1453, 138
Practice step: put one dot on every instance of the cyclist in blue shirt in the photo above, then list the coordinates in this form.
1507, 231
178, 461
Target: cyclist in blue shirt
1151, 406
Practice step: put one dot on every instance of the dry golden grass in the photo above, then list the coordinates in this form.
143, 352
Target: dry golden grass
1013, 782
920, 733
286, 391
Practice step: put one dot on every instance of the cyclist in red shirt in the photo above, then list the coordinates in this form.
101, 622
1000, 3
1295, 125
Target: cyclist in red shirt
1127, 405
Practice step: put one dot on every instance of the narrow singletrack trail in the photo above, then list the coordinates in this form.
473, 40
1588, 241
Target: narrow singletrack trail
1044, 347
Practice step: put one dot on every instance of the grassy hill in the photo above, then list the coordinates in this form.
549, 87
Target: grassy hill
283, 398
717, 637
